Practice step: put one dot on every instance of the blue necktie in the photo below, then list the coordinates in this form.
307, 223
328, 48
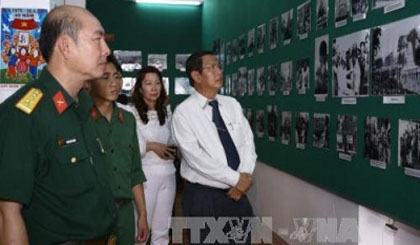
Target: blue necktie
227, 142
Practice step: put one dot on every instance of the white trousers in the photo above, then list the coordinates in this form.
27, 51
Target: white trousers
159, 192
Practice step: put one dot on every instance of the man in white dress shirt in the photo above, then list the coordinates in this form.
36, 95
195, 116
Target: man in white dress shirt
218, 150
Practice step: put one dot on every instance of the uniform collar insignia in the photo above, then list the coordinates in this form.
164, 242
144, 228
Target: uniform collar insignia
94, 113
60, 102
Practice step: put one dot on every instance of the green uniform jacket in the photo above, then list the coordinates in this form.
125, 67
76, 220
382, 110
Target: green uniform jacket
51, 162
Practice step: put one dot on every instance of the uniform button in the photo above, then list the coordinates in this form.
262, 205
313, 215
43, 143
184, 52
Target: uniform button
73, 160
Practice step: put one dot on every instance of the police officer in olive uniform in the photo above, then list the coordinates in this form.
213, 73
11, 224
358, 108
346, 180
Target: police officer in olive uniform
53, 186
117, 130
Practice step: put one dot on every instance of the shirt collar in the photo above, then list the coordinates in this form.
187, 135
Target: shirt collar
117, 114
204, 101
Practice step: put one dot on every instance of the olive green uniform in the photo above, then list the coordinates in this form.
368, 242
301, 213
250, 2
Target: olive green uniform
123, 162
51, 163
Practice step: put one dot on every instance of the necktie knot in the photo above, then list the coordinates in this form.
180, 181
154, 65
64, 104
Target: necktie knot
214, 104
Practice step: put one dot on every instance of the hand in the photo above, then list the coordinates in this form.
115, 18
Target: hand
143, 229
234, 194
163, 151
244, 183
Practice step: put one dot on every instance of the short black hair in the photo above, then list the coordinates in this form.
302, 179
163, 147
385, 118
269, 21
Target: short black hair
111, 59
195, 63
59, 21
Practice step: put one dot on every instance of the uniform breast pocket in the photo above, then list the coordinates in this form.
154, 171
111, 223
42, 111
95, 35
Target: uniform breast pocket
72, 169
236, 132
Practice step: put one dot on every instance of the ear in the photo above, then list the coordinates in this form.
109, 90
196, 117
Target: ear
196, 76
65, 46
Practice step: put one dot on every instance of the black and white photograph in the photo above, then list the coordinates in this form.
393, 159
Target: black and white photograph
242, 46
321, 66
301, 129
359, 9
409, 146
235, 50
302, 75
251, 42
128, 85
158, 60
272, 122
165, 81
304, 19
180, 60
250, 118
274, 32
346, 132
321, 14
260, 123
396, 58
129, 60
351, 64
222, 55
251, 81
286, 127
378, 141
272, 79
182, 86
228, 53
261, 30
228, 85
342, 12
242, 80
287, 26
260, 81
234, 83
216, 47
321, 130
286, 77
376, 4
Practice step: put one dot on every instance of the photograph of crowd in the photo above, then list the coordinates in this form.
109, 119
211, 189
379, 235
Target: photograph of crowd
182, 86
272, 79
409, 144
274, 32
301, 129
242, 46
342, 12
396, 58
261, 38
286, 77
260, 123
383, 3
321, 130
351, 64
378, 140
158, 60
251, 42
129, 60
321, 66
286, 127
302, 75
346, 134
287, 26
251, 81
180, 60
272, 122
321, 14
359, 9
304, 19
242, 80
260, 81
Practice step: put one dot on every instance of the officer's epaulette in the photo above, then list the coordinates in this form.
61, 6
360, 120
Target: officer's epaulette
30, 100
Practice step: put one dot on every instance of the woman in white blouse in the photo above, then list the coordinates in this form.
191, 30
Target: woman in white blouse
153, 116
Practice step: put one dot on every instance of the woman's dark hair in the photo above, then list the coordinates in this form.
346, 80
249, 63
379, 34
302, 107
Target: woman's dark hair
138, 100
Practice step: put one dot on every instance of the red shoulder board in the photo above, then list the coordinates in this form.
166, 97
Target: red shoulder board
60, 102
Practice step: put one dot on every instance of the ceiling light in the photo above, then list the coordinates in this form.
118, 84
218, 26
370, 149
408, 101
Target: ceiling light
176, 2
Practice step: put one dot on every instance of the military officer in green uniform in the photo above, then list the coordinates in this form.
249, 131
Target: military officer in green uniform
117, 130
53, 185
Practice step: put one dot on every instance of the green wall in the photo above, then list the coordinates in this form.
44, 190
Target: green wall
153, 29
389, 191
